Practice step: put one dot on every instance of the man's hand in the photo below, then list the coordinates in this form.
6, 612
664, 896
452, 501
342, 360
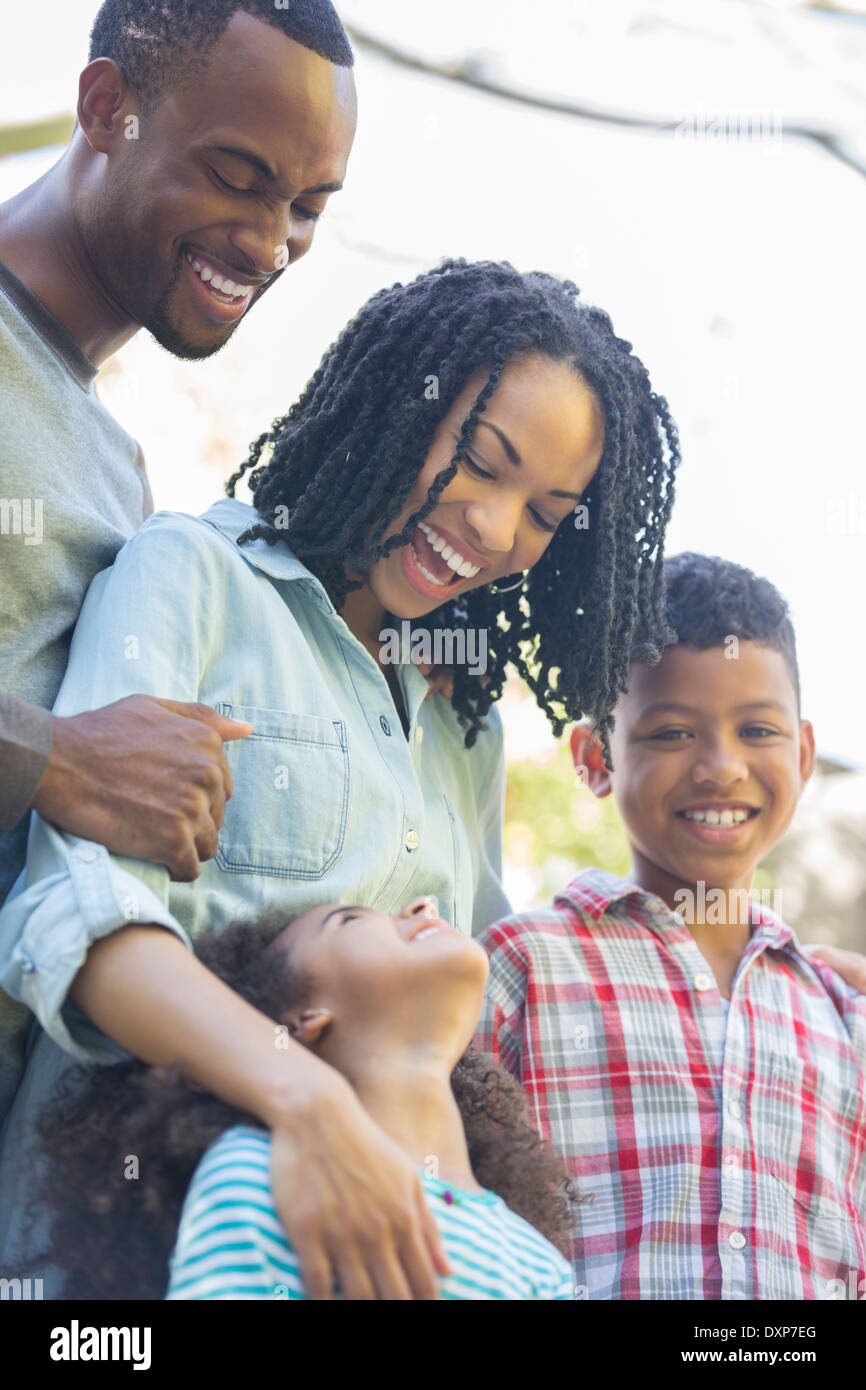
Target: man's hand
849, 964
146, 778
352, 1203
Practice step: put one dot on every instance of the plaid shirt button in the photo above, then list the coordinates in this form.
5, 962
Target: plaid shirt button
703, 982
736, 1240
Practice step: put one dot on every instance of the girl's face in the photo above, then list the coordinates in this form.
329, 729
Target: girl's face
536, 448
378, 979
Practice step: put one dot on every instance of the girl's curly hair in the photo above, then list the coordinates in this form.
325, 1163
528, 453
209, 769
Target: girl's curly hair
112, 1234
343, 461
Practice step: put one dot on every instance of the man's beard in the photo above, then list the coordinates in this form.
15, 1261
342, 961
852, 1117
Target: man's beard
160, 327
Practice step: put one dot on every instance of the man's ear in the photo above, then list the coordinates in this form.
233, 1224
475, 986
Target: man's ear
105, 103
589, 760
807, 752
308, 1026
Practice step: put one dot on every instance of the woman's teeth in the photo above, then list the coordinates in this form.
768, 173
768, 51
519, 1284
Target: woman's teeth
726, 817
454, 560
427, 931
217, 282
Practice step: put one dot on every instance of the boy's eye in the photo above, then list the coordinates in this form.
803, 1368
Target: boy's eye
760, 730
671, 735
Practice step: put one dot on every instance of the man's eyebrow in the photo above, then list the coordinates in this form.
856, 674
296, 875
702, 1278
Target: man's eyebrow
515, 458
662, 705
270, 174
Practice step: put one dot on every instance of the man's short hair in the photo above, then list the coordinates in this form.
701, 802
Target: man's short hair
708, 600
159, 43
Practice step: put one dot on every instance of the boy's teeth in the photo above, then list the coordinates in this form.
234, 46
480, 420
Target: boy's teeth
727, 817
455, 561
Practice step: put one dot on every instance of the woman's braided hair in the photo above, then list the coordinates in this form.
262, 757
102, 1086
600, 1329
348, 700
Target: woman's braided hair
342, 463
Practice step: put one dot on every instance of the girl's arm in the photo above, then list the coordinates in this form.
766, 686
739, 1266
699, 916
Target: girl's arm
351, 1201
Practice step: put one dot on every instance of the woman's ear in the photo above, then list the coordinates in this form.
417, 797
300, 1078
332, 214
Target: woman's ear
588, 760
307, 1027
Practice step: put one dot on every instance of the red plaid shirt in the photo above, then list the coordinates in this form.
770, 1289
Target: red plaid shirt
715, 1158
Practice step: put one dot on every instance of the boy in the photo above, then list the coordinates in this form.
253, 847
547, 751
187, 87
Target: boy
704, 1080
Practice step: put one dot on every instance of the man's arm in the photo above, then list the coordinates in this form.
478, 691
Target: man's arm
25, 745
351, 1201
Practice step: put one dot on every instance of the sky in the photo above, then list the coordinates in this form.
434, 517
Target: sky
734, 266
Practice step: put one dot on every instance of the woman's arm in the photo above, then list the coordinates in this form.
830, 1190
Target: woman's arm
351, 1201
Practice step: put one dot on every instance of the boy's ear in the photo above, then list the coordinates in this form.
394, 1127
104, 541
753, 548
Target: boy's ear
807, 752
589, 760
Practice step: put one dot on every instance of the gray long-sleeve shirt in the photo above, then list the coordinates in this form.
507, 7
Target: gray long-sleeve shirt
72, 491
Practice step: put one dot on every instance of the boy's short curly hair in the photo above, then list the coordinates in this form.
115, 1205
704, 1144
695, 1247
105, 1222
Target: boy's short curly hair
709, 599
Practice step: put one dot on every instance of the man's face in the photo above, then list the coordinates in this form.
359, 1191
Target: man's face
225, 183
710, 759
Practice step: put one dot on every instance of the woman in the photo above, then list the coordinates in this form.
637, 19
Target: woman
391, 1003
476, 417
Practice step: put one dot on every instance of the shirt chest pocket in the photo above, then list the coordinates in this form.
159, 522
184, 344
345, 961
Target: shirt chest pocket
287, 815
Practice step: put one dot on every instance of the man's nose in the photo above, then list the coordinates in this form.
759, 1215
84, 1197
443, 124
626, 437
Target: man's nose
269, 243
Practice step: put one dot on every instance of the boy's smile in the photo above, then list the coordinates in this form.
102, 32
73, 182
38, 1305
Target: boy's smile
710, 760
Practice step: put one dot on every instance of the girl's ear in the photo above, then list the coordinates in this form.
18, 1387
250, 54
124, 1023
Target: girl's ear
308, 1027
589, 760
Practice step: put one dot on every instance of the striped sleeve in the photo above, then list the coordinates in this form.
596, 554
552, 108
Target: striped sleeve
231, 1243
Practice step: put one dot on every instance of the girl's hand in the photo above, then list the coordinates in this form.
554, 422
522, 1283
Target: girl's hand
849, 964
352, 1203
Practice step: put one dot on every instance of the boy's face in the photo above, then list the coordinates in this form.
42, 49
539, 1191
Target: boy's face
711, 759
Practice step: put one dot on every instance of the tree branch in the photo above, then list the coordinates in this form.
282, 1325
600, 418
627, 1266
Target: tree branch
465, 73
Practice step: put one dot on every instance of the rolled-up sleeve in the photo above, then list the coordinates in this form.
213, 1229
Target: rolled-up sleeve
25, 745
74, 893
81, 894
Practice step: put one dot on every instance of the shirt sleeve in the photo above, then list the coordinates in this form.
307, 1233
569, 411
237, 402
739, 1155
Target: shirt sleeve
140, 631
25, 744
500, 1028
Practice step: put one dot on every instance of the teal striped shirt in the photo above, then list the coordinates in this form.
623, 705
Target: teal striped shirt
231, 1243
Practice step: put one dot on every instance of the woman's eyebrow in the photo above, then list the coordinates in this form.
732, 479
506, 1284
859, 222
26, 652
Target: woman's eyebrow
515, 458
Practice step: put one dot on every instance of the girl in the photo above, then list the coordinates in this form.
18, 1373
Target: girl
478, 455
390, 1002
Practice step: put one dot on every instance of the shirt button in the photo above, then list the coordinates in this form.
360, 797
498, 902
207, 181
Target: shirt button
28, 967
386, 727
736, 1240
412, 839
703, 983
86, 856
419, 734
731, 1163
736, 1109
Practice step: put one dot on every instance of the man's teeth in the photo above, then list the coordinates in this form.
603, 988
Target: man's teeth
454, 560
726, 817
218, 282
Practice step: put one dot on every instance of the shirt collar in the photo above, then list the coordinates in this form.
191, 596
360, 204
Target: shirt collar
595, 891
231, 518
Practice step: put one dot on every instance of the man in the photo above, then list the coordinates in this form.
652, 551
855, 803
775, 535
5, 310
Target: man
210, 136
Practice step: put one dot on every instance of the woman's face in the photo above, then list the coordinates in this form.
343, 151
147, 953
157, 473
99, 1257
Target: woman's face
407, 979
536, 448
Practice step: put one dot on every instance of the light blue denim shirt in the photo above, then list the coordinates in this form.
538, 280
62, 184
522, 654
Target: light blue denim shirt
332, 802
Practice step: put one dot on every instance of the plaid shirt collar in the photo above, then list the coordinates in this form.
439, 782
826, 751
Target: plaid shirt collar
592, 892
